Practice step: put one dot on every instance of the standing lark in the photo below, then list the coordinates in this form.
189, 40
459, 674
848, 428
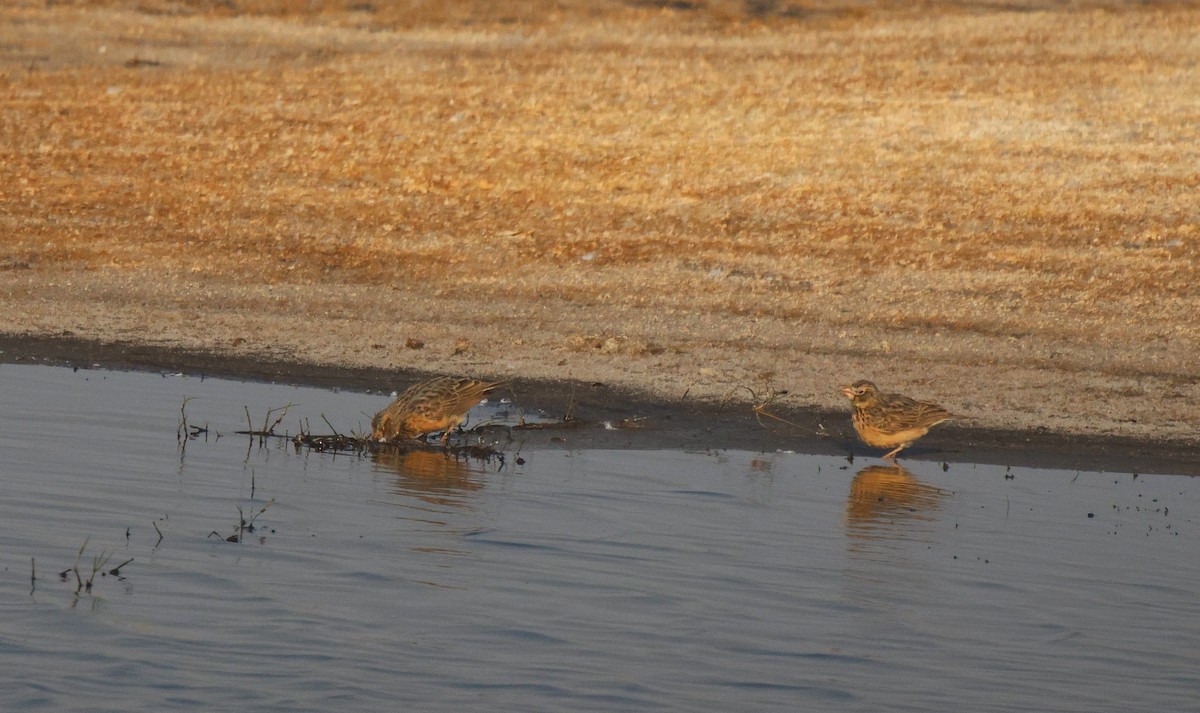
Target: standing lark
439, 404
890, 420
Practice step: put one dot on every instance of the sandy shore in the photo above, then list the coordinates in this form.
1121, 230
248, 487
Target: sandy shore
606, 415
990, 209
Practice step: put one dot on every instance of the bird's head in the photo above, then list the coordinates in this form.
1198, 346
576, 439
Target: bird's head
860, 392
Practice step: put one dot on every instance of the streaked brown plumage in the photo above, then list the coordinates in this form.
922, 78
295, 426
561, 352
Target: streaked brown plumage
439, 404
890, 420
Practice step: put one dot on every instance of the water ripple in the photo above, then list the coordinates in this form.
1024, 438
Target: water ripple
585, 581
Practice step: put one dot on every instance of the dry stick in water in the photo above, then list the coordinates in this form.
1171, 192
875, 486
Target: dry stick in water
116, 571
75, 567
181, 432
98, 563
243, 526
268, 427
250, 525
270, 430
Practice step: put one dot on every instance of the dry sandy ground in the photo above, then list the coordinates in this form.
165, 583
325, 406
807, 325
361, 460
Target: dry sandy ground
989, 205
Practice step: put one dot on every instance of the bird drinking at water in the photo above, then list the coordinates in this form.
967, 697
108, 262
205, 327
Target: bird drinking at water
438, 404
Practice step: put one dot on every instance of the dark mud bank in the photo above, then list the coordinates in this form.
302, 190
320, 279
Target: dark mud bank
605, 417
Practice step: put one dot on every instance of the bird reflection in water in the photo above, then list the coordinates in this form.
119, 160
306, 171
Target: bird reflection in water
436, 476
885, 501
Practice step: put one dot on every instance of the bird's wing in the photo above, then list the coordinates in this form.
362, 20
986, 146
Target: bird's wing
903, 413
452, 397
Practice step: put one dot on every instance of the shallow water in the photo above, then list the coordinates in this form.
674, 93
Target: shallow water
578, 580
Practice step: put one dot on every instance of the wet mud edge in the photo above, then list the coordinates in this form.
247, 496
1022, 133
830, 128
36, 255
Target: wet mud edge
672, 425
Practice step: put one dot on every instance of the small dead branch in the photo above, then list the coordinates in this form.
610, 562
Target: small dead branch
268, 426
244, 525
116, 571
332, 443
181, 431
282, 410
75, 567
327, 423
760, 406
249, 526
98, 563
569, 414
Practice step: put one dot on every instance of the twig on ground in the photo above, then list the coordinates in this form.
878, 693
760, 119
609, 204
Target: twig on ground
760, 406
569, 414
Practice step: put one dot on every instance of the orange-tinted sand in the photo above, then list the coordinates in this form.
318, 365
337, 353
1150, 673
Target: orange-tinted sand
990, 205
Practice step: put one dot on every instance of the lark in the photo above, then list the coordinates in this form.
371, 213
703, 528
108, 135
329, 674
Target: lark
439, 404
890, 420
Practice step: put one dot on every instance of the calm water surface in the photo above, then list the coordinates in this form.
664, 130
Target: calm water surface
577, 581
